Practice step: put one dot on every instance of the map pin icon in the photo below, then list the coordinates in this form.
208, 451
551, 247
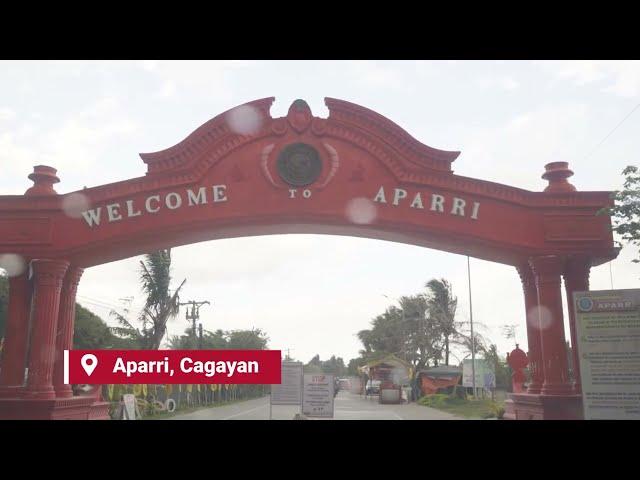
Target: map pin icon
89, 362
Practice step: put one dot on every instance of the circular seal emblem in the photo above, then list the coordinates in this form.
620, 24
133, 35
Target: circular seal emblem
299, 164
585, 304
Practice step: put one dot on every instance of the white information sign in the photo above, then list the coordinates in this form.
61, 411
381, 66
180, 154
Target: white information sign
485, 374
608, 334
289, 392
318, 396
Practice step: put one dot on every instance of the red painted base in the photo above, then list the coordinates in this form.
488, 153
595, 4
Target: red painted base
76, 408
526, 406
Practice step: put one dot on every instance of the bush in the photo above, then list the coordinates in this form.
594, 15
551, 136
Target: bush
434, 400
498, 410
478, 408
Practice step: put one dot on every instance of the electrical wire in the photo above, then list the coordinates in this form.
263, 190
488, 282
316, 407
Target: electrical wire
614, 129
97, 300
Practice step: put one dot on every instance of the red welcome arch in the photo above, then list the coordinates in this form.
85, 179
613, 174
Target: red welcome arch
355, 173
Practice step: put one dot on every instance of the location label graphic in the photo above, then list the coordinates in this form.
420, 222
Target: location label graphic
172, 367
89, 362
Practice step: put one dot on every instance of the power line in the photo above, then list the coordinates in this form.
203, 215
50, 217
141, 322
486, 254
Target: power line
96, 305
94, 300
98, 302
614, 129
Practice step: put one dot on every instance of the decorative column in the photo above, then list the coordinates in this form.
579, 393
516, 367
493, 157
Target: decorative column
47, 284
533, 328
64, 335
576, 279
16, 337
547, 271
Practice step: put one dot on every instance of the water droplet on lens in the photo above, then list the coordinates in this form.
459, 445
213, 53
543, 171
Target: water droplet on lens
74, 204
361, 210
245, 120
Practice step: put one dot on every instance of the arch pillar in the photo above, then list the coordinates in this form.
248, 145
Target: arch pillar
48, 276
576, 279
547, 271
16, 337
533, 328
64, 333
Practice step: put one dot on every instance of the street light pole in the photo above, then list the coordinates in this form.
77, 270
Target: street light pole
473, 340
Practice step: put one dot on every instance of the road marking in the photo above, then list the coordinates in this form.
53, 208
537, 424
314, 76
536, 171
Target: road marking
245, 412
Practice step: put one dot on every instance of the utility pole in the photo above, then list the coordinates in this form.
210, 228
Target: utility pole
473, 340
193, 316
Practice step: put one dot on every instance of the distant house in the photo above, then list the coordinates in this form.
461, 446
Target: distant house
389, 370
443, 377
391, 373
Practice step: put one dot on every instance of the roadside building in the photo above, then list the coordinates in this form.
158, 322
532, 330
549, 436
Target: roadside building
442, 378
386, 377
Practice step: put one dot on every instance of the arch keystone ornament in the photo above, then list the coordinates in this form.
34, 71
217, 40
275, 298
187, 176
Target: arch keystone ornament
299, 164
243, 173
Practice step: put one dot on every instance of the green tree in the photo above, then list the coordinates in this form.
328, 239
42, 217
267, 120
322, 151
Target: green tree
625, 214
463, 340
423, 335
387, 335
501, 369
160, 306
334, 366
352, 367
254, 339
409, 332
91, 332
210, 340
442, 305
313, 367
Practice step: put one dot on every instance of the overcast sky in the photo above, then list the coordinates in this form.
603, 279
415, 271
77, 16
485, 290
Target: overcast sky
312, 293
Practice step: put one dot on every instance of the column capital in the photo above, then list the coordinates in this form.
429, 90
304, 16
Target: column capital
547, 267
577, 266
49, 272
73, 276
526, 274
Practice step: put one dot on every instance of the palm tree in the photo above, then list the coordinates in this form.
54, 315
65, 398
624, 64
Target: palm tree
160, 305
442, 304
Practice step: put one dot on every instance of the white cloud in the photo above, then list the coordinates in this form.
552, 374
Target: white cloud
6, 114
77, 143
620, 77
194, 77
374, 74
504, 82
15, 158
518, 149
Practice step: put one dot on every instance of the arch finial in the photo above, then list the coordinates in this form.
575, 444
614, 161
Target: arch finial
43, 178
557, 173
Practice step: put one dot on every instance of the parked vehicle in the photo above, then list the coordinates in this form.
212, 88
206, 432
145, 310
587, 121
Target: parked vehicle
373, 387
345, 384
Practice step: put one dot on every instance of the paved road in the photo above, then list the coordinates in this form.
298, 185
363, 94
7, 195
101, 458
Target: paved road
347, 407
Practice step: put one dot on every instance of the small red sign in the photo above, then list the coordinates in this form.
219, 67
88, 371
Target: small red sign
172, 366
